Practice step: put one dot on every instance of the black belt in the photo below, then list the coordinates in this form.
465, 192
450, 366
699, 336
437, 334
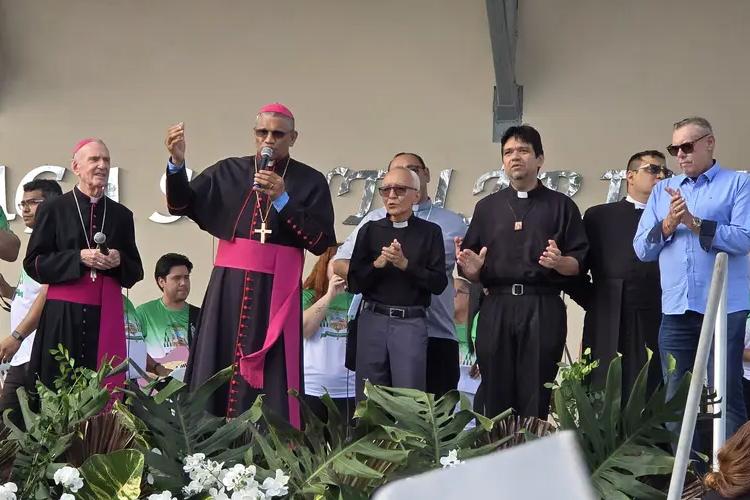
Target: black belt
402, 312
521, 289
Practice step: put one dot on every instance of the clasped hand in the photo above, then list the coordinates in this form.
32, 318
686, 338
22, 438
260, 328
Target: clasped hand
392, 254
94, 259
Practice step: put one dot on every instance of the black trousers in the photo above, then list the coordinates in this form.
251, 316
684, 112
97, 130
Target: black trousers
520, 340
746, 389
15, 378
442, 366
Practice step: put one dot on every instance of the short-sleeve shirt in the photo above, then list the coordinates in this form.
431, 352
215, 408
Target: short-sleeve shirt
325, 350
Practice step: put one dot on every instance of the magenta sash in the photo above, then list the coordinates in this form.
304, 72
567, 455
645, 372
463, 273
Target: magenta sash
107, 293
285, 264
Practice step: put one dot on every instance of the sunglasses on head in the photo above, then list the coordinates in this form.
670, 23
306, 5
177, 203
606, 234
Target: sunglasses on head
399, 190
261, 133
656, 170
686, 147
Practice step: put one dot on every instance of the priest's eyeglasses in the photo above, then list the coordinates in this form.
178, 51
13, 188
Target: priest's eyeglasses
29, 203
656, 170
399, 191
262, 133
686, 147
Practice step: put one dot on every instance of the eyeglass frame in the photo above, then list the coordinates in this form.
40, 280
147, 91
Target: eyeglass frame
686, 147
262, 133
654, 169
29, 203
385, 191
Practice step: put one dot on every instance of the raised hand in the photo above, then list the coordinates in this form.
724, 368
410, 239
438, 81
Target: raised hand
336, 286
551, 256
471, 263
395, 255
678, 213
175, 143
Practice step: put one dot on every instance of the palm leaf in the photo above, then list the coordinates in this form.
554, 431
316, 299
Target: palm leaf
99, 435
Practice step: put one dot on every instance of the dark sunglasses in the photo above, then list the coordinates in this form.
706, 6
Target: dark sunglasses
656, 170
261, 133
686, 147
399, 190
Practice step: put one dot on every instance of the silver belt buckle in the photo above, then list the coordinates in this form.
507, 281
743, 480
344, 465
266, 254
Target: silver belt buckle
396, 312
516, 289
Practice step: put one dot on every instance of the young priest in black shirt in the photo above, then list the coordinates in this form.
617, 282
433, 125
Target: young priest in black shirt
397, 264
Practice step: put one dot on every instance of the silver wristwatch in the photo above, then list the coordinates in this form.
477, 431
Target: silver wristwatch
17, 336
697, 222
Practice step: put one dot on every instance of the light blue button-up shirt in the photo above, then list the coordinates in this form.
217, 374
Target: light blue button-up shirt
721, 198
440, 313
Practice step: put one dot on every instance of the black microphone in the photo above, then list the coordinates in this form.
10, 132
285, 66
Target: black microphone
265, 157
101, 243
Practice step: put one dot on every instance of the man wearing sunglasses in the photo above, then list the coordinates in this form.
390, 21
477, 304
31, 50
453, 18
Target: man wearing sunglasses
265, 212
688, 219
26, 308
397, 264
623, 304
443, 370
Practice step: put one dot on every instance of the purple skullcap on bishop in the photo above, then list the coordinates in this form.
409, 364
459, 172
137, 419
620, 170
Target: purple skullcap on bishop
83, 142
276, 107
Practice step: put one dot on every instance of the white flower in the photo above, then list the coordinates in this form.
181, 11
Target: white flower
69, 478
250, 493
193, 461
451, 460
164, 495
8, 491
276, 486
68, 496
215, 494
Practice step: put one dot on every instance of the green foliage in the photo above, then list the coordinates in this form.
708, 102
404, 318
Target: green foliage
78, 395
320, 460
623, 442
180, 425
115, 476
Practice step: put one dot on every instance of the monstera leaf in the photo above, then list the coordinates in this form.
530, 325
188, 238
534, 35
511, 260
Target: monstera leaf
179, 425
115, 476
623, 444
430, 427
328, 459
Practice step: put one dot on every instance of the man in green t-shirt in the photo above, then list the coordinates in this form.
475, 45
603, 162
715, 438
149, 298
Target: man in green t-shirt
168, 322
9, 242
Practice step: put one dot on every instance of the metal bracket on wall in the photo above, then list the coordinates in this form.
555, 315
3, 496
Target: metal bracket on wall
507, 105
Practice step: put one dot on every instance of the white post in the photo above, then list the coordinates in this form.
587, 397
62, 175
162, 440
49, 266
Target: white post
720, 374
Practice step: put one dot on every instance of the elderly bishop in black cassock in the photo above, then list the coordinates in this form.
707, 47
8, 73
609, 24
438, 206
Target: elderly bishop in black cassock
266, 210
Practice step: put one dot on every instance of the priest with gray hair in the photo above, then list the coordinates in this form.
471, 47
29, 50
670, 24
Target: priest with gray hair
398, 263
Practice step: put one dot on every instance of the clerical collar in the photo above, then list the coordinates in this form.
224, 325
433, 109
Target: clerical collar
90, 199
527, 194
638, 204
402, 224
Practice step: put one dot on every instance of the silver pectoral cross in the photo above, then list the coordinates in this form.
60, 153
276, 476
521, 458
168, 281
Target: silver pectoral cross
263, 232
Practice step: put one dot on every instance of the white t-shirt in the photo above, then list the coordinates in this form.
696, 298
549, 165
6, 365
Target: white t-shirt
746, 364
325, 352
26, 292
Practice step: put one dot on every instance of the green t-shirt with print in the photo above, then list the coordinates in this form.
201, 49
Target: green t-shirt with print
335, 322
465, 356
165, 332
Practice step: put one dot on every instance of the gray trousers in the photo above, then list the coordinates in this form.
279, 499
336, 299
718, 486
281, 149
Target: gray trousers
391, 351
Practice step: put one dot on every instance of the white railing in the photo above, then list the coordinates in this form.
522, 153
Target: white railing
715, 319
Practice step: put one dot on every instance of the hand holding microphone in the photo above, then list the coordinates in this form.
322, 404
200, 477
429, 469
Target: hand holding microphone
103, 257
268, 181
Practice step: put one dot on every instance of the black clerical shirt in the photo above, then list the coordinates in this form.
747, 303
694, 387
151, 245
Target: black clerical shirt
516, 230
422, 244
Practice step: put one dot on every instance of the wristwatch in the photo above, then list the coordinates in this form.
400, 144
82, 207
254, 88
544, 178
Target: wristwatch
697, 222
17, 336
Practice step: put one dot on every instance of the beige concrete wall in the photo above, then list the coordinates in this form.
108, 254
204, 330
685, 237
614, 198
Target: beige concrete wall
365, 79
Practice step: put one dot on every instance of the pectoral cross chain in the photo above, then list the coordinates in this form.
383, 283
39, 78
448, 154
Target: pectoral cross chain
263, 232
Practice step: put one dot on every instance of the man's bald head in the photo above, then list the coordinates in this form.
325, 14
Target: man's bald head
402, 176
